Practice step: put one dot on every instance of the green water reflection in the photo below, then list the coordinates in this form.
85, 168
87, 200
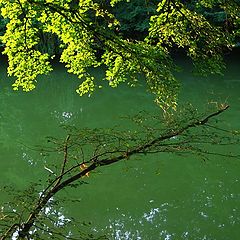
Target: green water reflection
159, 197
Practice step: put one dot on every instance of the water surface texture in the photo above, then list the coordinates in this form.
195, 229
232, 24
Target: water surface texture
158, 197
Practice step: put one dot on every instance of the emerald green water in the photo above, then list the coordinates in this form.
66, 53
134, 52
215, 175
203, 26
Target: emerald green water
156, 197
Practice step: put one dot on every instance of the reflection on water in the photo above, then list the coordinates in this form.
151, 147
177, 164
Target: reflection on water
119, 226
63, 117
50, 213
155, 197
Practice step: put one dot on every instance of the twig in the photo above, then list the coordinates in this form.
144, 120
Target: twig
65, 150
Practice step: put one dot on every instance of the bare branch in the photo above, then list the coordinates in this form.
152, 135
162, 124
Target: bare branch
99, 160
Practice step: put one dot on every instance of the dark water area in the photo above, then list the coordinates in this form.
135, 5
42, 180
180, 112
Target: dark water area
161, 196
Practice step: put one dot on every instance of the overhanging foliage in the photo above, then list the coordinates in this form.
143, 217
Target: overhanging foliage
88, 33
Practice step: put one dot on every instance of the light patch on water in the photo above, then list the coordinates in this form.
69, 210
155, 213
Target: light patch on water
203, 214
234, 217
120, 228
64, 116
28, 158
165, 235
221, 225
49, 210
14, 236
151, 215
209, 201
67, 115
185, 234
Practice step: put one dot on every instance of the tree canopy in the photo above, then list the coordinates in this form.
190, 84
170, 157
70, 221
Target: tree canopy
90, 33
94, 33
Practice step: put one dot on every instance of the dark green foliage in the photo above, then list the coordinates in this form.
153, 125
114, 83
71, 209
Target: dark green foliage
3, 23
134, 17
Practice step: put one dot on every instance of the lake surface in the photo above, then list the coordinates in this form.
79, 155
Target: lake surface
160, 196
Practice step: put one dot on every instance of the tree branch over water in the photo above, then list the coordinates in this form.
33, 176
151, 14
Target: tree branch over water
111, 153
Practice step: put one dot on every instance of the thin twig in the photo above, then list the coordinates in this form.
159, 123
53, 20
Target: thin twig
65, 150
